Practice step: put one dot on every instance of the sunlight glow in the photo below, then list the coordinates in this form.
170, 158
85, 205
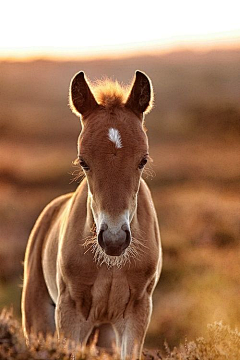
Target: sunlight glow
78, 28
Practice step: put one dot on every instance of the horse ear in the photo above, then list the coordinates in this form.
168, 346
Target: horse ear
81, 99
141, 94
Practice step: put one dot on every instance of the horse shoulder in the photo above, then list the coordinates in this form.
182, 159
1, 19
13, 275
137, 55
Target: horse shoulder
42, 226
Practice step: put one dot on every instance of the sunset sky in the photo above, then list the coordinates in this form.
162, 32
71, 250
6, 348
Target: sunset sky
82, 28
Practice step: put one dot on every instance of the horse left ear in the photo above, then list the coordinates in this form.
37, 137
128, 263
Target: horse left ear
81, 99
141, 95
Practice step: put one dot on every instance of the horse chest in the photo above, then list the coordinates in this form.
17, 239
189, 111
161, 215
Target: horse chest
110, 296
102, 294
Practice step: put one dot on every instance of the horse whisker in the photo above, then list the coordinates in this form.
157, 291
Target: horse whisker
133, 252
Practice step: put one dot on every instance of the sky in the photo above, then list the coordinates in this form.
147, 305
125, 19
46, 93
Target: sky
88, 27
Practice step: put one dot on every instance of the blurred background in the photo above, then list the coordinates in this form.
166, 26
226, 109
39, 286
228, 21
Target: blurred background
191, 51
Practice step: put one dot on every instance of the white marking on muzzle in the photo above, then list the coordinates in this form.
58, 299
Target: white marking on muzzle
114, 224
115, 137
132, 252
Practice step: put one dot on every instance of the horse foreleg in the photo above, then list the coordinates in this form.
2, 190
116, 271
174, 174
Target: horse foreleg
70, 323
135, 327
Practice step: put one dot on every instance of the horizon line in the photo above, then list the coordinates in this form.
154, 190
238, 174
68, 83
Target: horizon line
154, 49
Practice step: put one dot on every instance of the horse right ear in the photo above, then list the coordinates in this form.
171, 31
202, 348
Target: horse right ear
81, 99
140, 98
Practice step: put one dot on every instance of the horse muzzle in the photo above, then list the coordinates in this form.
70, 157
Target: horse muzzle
114, 244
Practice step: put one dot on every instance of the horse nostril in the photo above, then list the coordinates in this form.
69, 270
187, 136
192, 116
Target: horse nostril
128, 238
125, 227
100, 238
104, 227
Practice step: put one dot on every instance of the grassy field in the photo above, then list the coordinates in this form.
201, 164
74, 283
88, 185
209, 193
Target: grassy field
194, 134
220, 343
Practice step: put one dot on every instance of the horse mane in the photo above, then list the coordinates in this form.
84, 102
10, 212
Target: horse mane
109, 93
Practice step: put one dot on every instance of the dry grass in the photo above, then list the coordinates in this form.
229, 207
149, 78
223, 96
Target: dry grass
221, 343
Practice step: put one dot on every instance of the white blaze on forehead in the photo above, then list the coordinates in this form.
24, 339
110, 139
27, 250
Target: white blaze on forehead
115, 137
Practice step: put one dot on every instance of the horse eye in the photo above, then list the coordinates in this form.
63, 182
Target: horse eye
142, 163
84, 165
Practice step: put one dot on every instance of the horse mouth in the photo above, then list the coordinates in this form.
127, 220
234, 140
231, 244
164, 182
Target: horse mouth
114, 251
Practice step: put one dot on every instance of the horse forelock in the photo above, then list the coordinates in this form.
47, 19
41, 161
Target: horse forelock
109, 93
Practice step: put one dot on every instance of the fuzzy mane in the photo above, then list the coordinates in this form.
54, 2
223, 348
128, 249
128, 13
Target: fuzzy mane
110, 93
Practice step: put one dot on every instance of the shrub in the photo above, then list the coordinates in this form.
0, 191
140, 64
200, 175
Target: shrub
222, 343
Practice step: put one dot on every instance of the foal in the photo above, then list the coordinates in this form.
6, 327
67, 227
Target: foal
74, 280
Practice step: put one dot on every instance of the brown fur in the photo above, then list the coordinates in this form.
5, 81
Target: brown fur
70, 283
